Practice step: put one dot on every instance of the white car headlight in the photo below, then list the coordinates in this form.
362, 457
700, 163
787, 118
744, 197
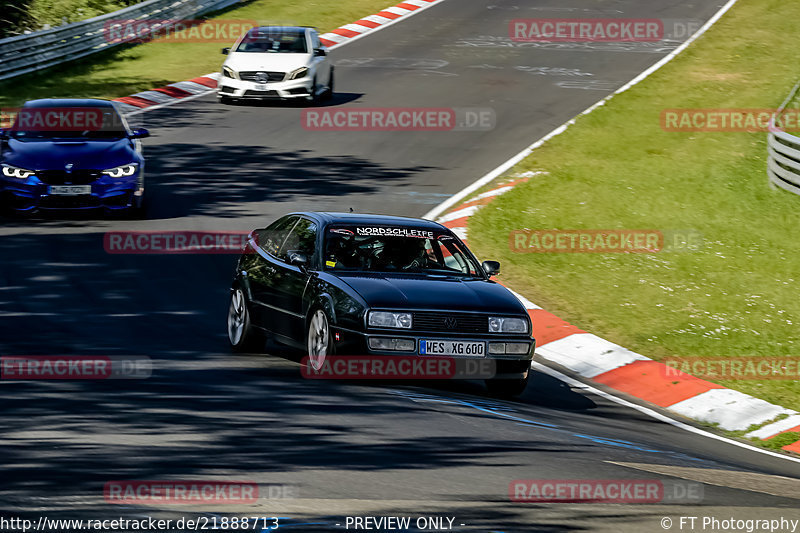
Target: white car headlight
122, 171
229, 73
507, 325
16, 172
302, 72
388, 319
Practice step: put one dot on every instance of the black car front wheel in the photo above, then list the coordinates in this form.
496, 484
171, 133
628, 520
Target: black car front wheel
319, 339
313, 98
241, 333
329, 92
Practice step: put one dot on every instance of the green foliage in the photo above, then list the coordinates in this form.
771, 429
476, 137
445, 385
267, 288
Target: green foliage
736, 295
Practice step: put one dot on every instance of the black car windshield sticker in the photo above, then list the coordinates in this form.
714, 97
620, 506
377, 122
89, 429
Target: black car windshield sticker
374, 231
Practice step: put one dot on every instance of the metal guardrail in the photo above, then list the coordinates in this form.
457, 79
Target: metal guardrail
783, 152
23, 54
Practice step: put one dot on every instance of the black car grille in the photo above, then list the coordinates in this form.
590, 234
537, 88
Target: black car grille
76, 177
260, 93
69, 202
252, 75
449, 322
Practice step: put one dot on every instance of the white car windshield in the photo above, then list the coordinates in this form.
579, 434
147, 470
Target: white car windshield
273, 42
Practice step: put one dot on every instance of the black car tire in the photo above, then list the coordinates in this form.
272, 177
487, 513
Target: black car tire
329, 93
313, 99
242, 336
225, 99
319, 342
136, 212
507, 388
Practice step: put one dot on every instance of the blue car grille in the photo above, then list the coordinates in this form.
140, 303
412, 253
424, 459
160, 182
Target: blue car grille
449, 322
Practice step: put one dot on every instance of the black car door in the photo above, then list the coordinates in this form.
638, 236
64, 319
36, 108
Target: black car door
291, 280
263, 271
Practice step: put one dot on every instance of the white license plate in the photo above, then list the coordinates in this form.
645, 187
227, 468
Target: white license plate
261, 86
70, 190
447, 347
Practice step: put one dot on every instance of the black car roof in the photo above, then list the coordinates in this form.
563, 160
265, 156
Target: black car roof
328, 218
68, 102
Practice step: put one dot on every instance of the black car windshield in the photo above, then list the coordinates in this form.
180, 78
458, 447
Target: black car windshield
397, 249
67, 122
274, 42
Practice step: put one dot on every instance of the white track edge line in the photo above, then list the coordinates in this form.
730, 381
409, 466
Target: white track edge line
436, 211
655, 414
520, 156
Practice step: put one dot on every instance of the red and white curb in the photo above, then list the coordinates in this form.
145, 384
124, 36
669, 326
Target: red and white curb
384, 18
202, 85
168, 94
604, 362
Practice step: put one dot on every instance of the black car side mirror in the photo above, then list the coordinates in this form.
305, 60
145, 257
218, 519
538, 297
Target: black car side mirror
491, 267
226, 50
298, 259
139, 133
320, 52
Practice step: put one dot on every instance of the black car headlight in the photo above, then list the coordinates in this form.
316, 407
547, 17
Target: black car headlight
499, 324
389, 319
302, 72
122, 171
10, 171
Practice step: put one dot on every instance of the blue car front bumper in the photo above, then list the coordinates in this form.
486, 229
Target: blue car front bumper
33, 194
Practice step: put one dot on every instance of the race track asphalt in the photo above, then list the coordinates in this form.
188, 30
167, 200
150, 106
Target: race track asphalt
346, 448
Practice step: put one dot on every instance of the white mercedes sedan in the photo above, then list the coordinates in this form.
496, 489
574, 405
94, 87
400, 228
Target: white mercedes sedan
276, 62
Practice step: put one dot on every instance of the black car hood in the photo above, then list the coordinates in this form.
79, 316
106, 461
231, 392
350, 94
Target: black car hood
432, 293
83, 154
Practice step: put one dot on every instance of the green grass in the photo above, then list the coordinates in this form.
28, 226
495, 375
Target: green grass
56, 12
616, 168
131, 69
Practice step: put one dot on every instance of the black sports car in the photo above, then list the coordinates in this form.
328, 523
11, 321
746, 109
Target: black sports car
356, 284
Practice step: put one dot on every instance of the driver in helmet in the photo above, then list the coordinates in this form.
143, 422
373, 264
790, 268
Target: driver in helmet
403, 253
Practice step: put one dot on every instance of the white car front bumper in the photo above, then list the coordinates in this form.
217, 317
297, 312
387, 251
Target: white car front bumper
232, 88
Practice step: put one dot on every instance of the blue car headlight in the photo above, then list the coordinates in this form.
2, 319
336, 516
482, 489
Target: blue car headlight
10, 171
122, 171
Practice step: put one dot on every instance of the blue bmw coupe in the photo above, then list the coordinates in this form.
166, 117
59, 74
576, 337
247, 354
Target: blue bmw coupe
71, 154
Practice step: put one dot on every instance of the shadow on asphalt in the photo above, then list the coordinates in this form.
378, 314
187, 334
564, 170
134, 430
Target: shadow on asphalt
203, 409
338, 99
